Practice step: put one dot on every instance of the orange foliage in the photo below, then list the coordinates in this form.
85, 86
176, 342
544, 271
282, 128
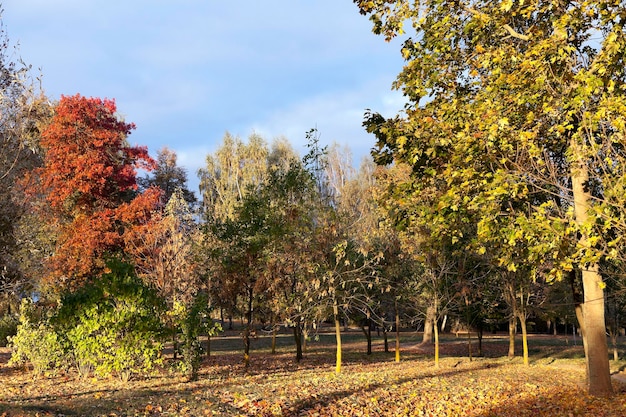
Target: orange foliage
88, 182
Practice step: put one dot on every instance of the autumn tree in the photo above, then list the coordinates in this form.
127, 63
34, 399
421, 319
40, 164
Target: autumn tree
241, 223
343, 271
437, 241
23, 111
88, 181
521, 97
354, 199
282, 156
166, 255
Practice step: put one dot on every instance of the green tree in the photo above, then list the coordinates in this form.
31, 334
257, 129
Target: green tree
235, 170
291, 194
240, 256
521, 97
168, 176
36, 341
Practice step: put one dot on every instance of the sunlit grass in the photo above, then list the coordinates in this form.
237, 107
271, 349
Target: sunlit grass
275, 384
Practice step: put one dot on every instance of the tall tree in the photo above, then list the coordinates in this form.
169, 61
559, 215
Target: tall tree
343, 271
23, 111
230, 173
522, 97
164, 251
88, 181
291, 195
234, 171
240, 254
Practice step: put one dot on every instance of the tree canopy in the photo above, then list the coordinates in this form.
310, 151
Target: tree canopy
514, 102
88, 180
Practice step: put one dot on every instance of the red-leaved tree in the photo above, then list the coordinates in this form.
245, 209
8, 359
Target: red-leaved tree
88, 186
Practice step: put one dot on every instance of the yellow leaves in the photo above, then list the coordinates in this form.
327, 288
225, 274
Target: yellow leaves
490, 386
560, 33
150, 409
506, 5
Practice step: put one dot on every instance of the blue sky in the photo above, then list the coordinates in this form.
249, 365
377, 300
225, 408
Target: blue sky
187, 71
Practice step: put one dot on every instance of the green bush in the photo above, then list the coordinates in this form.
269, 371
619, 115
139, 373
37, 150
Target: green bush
112, 326
8, 327
35, 342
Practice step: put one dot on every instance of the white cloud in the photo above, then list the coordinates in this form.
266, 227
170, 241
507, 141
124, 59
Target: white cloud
338, 116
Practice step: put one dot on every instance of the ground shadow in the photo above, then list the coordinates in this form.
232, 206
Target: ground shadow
323, 401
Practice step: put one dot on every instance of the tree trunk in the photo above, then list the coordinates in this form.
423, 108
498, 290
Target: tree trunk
511, 299
436, 331
522, 323
305, 336
248, 330
597, 358
578, 309
337, 337
246, 347
521, 315
397, 331
385, 338
512, 337
598, 369
367, 330
273, 340
428, 324
297, 335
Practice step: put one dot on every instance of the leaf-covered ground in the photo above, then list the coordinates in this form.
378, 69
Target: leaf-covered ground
368, 386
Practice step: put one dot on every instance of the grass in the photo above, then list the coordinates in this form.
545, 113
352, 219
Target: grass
275, 384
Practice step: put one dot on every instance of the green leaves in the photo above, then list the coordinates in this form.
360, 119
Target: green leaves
111, 326
36, 342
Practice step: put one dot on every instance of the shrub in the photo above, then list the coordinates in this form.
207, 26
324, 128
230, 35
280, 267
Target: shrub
8, 327
35, 341
111, 325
